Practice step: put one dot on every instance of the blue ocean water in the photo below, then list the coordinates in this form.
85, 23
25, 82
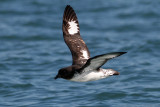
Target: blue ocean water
32, 50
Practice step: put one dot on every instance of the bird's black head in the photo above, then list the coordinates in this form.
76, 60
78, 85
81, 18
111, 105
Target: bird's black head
60, 74
64, 73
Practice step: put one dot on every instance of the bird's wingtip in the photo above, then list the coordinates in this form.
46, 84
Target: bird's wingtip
123, 52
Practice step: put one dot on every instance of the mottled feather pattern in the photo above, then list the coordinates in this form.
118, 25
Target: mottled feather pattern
83, 67
71, 34
98, 61
70, 21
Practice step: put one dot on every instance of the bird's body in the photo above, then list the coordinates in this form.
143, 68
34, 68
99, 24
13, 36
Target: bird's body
92, 75
83, 67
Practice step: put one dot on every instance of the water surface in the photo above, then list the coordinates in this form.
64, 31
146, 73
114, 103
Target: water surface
32, 50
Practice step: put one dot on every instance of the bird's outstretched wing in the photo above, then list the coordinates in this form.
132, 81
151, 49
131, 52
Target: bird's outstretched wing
96, 62
71, 34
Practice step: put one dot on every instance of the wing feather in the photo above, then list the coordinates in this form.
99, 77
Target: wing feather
96, 62
71, 34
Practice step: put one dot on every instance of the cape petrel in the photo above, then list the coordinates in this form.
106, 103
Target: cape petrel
83, 67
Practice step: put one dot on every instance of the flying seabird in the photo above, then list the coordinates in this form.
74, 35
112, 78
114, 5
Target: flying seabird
83, 67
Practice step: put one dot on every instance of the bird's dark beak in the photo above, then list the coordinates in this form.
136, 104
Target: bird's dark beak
56, 77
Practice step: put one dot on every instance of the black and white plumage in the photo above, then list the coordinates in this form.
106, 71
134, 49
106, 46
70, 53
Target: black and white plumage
72, 37
83, 67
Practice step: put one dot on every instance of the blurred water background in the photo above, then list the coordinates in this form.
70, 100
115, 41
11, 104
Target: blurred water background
32, 50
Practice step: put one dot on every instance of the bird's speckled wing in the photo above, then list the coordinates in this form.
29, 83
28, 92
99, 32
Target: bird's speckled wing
71, 34
96, 62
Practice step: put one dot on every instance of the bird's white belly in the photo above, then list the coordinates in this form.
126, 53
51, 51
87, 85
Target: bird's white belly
89, 76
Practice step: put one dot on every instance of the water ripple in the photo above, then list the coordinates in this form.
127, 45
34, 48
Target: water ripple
32, 50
